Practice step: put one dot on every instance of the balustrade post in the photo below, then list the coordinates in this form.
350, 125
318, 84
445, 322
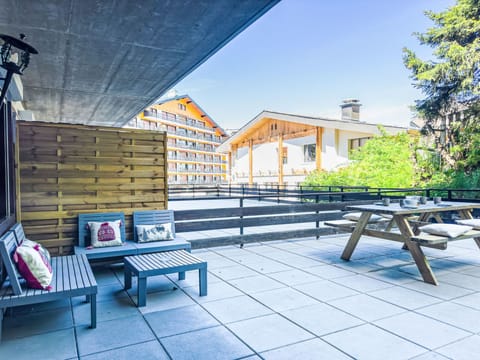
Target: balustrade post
241, 216
317, 222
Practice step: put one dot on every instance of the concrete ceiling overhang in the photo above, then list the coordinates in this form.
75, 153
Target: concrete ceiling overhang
103, 61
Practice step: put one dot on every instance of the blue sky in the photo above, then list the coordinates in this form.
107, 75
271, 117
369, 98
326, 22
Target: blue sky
306, 56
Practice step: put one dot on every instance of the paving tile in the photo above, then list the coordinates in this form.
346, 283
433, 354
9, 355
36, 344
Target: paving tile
284, 299
219, 262
113, 334
300, 262
306, 350
394, 276
150, 350
405, 298
454, 314
329, 271
232, 252
431, 355
463, 280
156, 284
321, 319
471, 300
179, 320
52, 345
294, 277
107, 293
371, 343
17, 326
356, 266
325, 290
362, 283
443, 291
255, 284
233, 272
106, 310
103, 274
236, 308
64, 304
366, 307
465, 349
164, 300
388, 261
266, 266
212, 344
220, 290
268, 332
422, 330
192, 279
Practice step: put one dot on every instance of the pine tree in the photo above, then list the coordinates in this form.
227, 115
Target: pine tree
451, 83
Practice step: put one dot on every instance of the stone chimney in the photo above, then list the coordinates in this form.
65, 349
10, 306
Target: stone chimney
351, 109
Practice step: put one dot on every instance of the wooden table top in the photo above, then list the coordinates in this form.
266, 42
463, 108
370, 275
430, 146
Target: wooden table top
429, 207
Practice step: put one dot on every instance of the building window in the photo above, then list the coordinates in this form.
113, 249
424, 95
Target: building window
182, 107
309, 152
357, 143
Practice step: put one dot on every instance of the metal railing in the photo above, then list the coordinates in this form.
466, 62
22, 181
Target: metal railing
302, 193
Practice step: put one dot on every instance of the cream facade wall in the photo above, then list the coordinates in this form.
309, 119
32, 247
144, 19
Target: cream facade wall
335, 149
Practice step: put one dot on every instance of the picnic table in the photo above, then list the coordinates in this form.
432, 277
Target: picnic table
408, 231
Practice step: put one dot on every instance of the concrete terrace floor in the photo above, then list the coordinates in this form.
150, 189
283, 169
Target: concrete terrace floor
278, 300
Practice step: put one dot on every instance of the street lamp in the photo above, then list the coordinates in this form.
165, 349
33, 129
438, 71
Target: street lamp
14, 57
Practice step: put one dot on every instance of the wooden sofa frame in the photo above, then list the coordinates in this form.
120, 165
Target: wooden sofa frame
129, 247
72, 276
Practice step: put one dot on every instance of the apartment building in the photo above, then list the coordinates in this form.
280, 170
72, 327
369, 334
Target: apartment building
192, 140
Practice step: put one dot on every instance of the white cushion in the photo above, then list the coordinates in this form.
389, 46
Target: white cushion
33, 266
107, 233
159, 232
355, 216
470, 222
450, 230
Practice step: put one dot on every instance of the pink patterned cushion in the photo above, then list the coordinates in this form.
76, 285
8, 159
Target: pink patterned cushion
34, 266
104, 234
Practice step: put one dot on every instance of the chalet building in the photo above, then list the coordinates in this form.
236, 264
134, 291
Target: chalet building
192, 140
278, 148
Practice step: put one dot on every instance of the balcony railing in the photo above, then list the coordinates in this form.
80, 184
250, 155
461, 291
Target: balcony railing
197, 171
215, 139
197, 159
191, 147
176, 119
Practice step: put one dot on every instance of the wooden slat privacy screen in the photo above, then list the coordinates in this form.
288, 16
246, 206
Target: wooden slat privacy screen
65, 170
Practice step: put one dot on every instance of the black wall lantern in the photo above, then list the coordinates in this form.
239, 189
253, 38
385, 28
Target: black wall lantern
13, 64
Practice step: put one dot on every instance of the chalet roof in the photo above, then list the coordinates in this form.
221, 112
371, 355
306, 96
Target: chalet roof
349, 125
181, 97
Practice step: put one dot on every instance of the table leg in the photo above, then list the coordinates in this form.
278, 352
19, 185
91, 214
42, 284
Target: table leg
181, 275
357, 232
142, 291
416, 251
465, 214
127, 273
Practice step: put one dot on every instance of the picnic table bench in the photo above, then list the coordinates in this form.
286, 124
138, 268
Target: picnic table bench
162, 263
